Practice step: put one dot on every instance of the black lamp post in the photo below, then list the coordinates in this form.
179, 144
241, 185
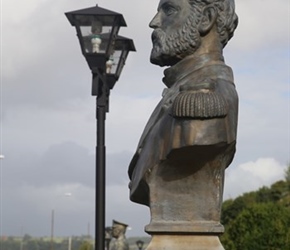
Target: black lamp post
106, 53
140, 244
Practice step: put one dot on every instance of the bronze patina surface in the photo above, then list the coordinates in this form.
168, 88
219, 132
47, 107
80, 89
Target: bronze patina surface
179, 166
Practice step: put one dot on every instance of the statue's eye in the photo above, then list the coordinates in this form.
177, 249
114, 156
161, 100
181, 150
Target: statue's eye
169, 10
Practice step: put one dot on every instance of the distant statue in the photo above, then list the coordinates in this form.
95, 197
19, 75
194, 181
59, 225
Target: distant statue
118, 232
189, 140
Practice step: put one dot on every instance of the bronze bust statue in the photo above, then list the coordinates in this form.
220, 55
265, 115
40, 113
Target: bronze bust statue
189, 140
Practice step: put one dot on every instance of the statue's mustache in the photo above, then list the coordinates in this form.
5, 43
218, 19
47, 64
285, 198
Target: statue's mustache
157, 36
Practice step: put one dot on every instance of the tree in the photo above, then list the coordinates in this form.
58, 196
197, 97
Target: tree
27, 238
260, 227
86, 246
32, 245
231, 208
9, 244
273, 194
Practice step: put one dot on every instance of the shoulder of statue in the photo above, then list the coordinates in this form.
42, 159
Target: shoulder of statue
199, 101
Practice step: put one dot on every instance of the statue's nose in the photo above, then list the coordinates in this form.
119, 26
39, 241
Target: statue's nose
156, 22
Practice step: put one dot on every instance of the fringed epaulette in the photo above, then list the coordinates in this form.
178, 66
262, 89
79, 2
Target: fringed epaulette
199, 105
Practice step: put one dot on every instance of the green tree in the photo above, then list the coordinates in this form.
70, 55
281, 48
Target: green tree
44, 244
231, 208
263, 226
273, 194
27, 238
86, 246
9, 244
31, 245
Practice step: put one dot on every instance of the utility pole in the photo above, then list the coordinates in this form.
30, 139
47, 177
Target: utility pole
21, 242
52, 228
69, 243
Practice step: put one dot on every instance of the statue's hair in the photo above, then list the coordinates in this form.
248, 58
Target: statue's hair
227, 19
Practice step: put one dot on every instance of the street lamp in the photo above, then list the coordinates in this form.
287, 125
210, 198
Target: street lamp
105, 53
140, 244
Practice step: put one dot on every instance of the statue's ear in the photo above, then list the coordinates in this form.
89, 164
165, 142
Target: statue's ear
208, 20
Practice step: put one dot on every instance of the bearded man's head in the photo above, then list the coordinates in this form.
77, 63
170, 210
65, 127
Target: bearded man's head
172, 44
171, 48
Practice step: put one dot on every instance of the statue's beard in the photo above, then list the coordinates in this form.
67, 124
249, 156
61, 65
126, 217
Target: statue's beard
168, 49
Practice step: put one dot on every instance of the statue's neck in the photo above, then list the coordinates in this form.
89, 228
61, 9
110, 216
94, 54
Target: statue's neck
210, 43
188, 65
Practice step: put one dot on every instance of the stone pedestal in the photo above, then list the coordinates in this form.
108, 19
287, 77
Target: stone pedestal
185, 242
185, 199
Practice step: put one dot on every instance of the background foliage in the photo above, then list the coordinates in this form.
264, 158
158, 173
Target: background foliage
259, 220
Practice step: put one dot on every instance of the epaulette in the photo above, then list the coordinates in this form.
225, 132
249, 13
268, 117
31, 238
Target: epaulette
199, 105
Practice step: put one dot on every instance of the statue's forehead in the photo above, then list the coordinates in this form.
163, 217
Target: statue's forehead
174, 2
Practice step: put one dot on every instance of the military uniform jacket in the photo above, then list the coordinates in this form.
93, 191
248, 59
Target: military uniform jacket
199, 108
120, 244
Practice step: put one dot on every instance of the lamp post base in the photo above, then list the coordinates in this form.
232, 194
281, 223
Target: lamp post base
185, 242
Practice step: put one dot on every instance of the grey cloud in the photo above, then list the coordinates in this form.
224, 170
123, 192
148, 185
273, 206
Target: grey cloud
64, 163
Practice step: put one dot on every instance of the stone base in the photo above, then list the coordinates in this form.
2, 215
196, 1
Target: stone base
185, 242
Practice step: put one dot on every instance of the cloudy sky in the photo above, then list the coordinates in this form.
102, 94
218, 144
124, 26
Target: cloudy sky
48, 115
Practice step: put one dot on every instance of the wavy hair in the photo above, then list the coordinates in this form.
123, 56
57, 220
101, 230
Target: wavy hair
227, 19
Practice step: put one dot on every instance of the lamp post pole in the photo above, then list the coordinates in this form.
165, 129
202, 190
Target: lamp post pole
100, 163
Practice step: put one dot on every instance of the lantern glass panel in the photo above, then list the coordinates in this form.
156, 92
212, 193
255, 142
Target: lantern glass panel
122, 61
94, 32
113, 62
